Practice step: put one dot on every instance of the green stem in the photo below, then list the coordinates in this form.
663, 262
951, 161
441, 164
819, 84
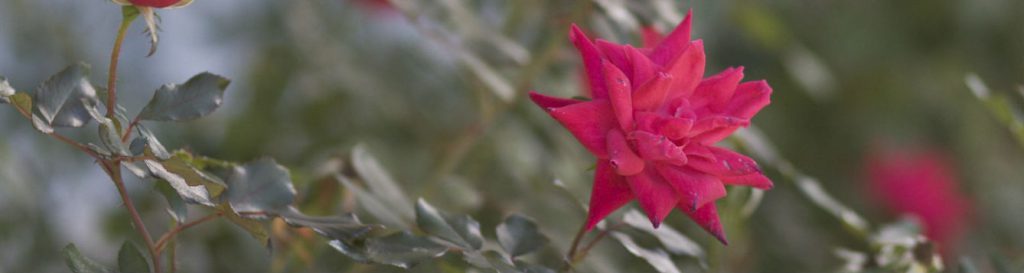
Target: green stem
115, 55
570, 258
597, 239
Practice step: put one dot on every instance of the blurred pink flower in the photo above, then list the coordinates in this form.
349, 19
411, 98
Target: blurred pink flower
922, 184
379, 7
652, 123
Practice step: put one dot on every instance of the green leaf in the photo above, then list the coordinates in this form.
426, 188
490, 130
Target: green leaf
500, 263
260, 186
199, 96
488, 76
966, 266
462, 231
194, 177
518, 235
109, 135
345, 227
22, 101
191, 194
131, 260
176, 207
657, 258
78, 263
5, 90
255, 228
532, 268
1000, 264
813, 190
380, 182
59, 100
137, 146
151, 142
379, 209
674, 241
401, 249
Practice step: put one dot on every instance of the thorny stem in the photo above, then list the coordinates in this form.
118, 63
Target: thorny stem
112, 74
113, 167
167, 237
114, 170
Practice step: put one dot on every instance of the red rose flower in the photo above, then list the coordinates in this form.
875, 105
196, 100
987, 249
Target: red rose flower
922, 184
155, 3
652, 123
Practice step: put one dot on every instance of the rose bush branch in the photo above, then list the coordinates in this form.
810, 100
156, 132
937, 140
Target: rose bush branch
171, 234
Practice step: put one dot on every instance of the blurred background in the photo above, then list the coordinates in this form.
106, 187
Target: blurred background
869, 98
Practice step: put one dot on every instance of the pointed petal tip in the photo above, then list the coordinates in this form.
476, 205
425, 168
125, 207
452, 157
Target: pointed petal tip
721, 238
687, 21
575, 32
549, 103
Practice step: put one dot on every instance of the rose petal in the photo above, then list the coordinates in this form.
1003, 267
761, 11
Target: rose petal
620, 94
610, 192
695, 189
548, 102
687, 71
725, 163
709, 129
717, 89
675, 128
707, 217
699, 151
588, 122
715, 128
156, 3
673, 45
750, 97
756, 180
715, 135
591, 61
643, 69
656, 196
623, 159
651, 95
616, 54
736, 163
658, 148
651, 36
